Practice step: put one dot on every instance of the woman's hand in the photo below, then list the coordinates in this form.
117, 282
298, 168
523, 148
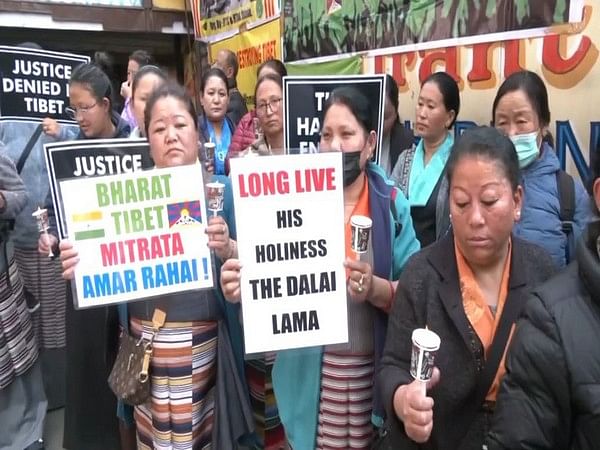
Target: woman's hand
125, 89
51, 127
69, 259
360, 280
46, 242
230, 280
415, 409
218, 238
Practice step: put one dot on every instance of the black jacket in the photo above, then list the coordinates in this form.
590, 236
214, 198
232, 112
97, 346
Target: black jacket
401, 138
550, 397
237, 107
429, 295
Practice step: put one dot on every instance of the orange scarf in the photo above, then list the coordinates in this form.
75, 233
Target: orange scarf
478, 312
362, 209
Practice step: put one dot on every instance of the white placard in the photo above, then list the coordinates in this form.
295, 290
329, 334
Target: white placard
138, 235
290, 215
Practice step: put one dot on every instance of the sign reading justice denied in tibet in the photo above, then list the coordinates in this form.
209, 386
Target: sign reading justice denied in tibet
35, 84
293, 281
138, 235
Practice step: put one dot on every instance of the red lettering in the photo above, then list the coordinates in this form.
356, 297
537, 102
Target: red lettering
554, 62
267, 183
512, 57
109, 254
449, 56
480, 70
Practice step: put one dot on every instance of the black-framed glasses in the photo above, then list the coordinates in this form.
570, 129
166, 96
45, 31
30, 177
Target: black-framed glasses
272, 104
72, 112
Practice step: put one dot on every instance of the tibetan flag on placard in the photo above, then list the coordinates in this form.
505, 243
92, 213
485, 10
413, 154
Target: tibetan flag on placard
88, 225
184, 214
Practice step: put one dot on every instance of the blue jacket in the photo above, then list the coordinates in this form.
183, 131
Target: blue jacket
297, 373
15, 136
540, 222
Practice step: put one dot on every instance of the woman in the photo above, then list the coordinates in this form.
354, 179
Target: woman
137, 60
214, 125
246, 132
468, 288
521, 111
195, 319
22, 400
145, 81
554, 402
396, 137
419, 172
307, 382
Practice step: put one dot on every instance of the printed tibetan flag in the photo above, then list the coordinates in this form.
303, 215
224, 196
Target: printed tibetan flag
88, 225
184, 214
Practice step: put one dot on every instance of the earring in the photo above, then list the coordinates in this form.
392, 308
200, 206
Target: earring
518, 215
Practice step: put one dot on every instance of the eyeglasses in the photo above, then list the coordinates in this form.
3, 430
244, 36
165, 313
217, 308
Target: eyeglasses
273, 105
72, 112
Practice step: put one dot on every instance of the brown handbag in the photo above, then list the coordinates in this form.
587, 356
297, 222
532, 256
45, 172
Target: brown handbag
129, 378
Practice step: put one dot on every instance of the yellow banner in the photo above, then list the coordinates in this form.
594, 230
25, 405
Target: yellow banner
252, 47
566, 61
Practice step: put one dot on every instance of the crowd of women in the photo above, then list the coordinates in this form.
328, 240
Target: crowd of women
468, 236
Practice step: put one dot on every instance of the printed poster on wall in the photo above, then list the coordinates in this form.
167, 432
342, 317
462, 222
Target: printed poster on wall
91, 158
138, 235
252, 47
293, 282
35, 84
213, 18
304, 99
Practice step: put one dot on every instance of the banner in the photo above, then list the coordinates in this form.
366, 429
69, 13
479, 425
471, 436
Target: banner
138, 235
252, 47
214, 17
35, 84
567, 62
91, 158
304, 99
341, 66
315, 28
293, 282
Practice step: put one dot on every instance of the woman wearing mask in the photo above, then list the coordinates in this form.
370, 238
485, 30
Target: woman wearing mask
246, 131
468, 288
183, 408
553, 403
521, 111
214, 125
137, 60
396, 137
419, 172
306, 393
88, 424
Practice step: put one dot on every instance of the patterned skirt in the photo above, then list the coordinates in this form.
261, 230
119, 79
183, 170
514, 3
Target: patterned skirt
179, 415
42, 277
346, 402
18, 348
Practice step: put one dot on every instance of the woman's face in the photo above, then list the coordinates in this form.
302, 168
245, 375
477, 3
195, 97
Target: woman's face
515, 115
342, 132
132, 69
269, 108
483, 209
172, 134
390, 116
144, 88
432, 117
91, 114
215, 99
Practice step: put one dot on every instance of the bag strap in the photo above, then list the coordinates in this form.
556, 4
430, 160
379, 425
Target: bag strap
27, 150
566, 198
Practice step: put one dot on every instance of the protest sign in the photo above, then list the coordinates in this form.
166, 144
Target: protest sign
293, 281
90, 158
304, 99
35, 84
138, 235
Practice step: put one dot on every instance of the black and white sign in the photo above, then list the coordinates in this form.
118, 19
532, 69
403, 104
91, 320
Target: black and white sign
35, 84
92, 158
304, 99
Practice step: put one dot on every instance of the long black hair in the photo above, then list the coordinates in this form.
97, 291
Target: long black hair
449, 90
93, 79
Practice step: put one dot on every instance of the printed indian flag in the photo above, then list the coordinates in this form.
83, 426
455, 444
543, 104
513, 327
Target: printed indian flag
184, 213
87, 225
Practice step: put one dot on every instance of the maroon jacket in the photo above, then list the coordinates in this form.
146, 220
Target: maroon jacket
244, 134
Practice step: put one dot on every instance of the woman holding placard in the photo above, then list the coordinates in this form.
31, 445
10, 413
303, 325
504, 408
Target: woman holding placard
457, 302
184, 370
419, 172
326, 397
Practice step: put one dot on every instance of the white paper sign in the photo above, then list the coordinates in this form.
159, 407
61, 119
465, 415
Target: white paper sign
138, 235
290, 215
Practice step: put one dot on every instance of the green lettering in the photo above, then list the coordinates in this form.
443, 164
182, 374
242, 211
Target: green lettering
102, 194
116, 217
130, 193
143, 191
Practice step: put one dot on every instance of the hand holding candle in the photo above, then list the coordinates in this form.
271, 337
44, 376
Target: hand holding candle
361, 228
41, 217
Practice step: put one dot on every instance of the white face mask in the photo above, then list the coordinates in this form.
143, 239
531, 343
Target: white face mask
527, 147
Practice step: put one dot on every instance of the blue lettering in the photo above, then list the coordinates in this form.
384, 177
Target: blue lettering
88, 288
565, 137
147, 277
130, 282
